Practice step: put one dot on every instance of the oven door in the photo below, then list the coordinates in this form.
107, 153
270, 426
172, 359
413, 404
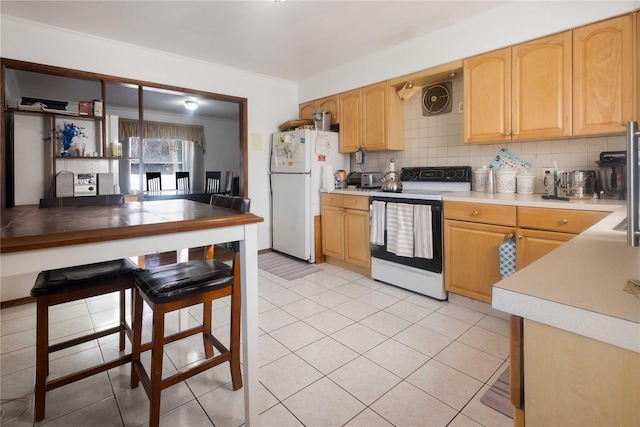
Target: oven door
434, 264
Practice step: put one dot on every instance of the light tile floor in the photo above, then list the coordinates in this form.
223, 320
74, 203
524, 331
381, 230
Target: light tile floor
336, 349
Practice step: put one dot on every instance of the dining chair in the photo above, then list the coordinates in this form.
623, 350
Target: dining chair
59, 286
182, 181
212, 182
154, 181
176, 286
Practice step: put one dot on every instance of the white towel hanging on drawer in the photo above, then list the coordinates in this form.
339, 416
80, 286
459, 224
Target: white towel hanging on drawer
400, 229
422, 234
377, 223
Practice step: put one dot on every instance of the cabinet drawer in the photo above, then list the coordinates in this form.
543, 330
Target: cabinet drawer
356, 202
481, 212
564, 220
331, 199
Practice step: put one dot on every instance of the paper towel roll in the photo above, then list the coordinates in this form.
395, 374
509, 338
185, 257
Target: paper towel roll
328, 178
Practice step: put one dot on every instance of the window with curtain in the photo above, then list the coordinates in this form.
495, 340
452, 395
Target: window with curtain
167, 148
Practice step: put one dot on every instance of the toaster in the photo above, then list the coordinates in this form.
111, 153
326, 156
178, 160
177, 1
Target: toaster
371, 180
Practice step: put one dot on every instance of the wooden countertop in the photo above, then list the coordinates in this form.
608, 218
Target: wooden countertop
29, 227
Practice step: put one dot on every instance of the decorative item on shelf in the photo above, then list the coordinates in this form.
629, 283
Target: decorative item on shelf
67, 133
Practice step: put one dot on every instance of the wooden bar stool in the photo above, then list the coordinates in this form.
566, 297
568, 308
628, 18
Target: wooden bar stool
55, 287
173, 287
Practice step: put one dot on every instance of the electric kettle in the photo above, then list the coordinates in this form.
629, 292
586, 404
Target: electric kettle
391, 182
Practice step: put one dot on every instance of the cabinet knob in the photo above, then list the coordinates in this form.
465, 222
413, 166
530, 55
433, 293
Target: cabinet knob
475, 213
510, 236
564, 220
519, 236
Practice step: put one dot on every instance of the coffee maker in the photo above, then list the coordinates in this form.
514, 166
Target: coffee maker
612, 175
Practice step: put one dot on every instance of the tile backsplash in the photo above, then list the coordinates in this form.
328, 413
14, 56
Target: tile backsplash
438, 141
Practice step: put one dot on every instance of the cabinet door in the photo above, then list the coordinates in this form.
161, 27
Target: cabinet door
487, 97
472, 263
330, 103
532, 245
374, 123
349, 110
603, 76
332, 231
541, 88
356, 244
305, 111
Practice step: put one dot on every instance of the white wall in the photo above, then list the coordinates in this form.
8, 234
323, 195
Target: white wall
270, 101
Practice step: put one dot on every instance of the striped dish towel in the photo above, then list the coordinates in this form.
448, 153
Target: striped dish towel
400, 229
422, 234
377, 222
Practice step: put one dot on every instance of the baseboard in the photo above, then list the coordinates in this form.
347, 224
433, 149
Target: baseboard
348, 266
17, 302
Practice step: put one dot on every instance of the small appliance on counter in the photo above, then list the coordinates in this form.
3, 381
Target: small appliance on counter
611, 182
354, 179
371, 180
578, 184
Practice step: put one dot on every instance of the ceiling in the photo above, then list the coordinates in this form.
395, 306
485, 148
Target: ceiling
292, 39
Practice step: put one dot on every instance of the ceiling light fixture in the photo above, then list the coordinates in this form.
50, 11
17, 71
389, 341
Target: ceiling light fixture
190, 105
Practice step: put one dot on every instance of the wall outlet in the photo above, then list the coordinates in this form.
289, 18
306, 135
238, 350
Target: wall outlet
461, 107
546, 171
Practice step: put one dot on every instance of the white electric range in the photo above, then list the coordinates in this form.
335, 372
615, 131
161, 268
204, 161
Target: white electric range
408, 251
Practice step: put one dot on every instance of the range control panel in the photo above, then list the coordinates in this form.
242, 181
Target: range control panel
437, 173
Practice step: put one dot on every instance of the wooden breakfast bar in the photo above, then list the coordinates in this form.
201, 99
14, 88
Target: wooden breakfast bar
35, 239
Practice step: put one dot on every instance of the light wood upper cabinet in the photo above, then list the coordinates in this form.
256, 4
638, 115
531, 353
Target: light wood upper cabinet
350, 134
329, 103
374, 126
603, 93
519, 93
487, 97
541, 91
371, 117
305, 111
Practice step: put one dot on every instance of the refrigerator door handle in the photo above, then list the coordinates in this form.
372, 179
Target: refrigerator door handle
633, 185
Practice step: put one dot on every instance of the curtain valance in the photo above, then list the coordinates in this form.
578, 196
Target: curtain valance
128, 128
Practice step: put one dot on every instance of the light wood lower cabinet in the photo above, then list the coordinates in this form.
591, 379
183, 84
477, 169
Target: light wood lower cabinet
471, 263
572, 380
345, 228
473, 232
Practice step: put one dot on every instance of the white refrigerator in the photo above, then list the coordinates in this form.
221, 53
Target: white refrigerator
297, 161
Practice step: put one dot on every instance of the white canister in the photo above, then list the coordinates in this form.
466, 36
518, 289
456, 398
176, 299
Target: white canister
479, 182
505, 181
525, 183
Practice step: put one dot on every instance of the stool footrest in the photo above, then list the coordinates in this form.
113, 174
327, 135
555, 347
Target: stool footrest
68, 379
83, 339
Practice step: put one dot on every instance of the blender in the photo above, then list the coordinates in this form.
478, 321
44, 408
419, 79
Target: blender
611, 182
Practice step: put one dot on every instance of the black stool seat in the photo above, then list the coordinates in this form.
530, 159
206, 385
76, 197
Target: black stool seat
177, 281
69, 279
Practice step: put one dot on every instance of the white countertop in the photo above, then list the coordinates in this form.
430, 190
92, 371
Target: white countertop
579, 286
